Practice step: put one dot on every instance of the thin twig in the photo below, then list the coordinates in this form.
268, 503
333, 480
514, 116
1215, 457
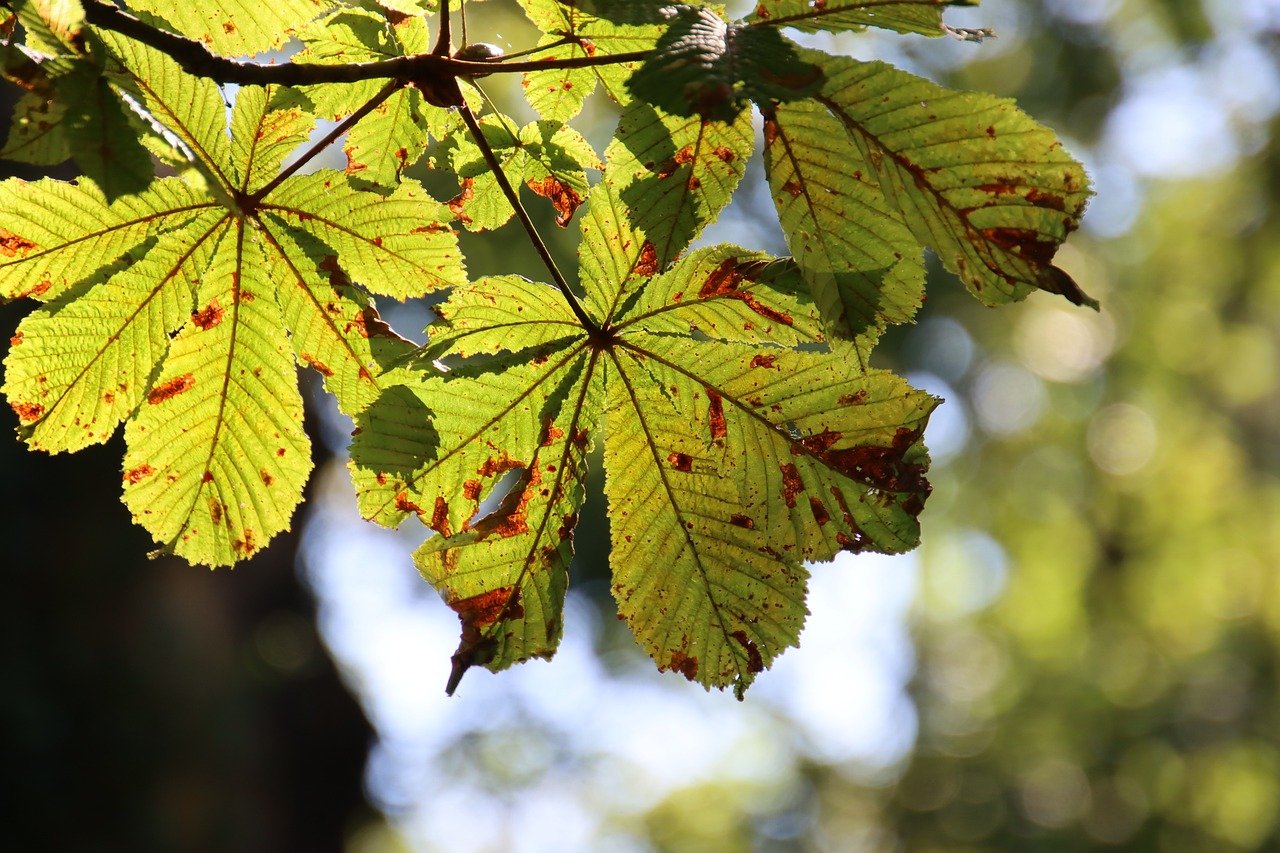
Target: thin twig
507, 190
342, 127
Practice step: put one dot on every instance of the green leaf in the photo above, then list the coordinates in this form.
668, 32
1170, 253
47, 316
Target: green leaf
80, 365
263, 136
216, 457
37, 135
504, 571
676, 174
547, 157
904, 16
54, 235
988, 189
736, 446
396, 245
101, 138
191, 109
235, 27
861, 262
52, 26
393, 136
703, 66
573, 31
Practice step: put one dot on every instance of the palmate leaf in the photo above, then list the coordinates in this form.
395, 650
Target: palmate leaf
175, 310
736, 447
904, 16
972, 177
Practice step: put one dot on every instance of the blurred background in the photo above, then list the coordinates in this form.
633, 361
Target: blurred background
1084, 653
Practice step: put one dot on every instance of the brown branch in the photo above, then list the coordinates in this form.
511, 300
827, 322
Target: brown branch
195, 59
513, 197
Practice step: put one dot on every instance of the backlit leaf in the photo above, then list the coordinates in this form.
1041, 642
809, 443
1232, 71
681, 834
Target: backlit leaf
235, 27
905, 16
184, 309
975, 179
736, 446
862, 263
573, 30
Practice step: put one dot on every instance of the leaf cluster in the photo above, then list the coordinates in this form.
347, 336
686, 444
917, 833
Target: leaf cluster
198, 263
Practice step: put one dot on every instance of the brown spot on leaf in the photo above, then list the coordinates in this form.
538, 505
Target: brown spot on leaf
762, 13
403, 504
680, 461
471, 490
228, 27
1040, 198
458, 202
27, 412
1023, 242
316, 363
991, 132
551, 432
496, 465
215, 511
686, 665
855, 544
136, 475
765, 361
36, 290
208, 316
855, 399
381, 477
793, 188
647, 263
206, 477
430, 228
724, 281
563, 197
743, 521
510, 518
754, 662
16, 339
369, 324
715, 414
770, 130
12, 245
245, 544
172, 388
820, 513
488, 608
882, 467
267, 479
822, 441
792, 485
440, 517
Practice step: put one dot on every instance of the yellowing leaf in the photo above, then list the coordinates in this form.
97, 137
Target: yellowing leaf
235, 27
736, 446
973, 177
